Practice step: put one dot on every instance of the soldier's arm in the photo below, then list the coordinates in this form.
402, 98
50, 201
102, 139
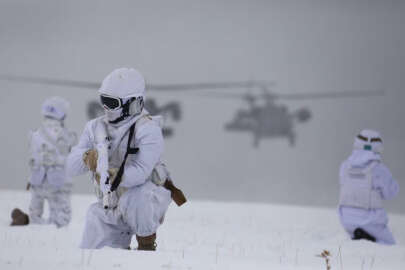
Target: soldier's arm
386, 183
74, 162
35, 149
139, 166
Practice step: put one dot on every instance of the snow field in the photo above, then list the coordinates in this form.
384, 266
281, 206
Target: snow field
202, 235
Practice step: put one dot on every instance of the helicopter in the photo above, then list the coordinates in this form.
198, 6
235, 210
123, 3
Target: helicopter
171, 110
273, 120
268, 120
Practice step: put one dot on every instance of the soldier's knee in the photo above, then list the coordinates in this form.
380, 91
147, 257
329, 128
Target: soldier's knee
144, 204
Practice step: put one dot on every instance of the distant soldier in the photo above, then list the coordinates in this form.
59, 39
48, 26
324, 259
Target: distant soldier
49, 147
364, 183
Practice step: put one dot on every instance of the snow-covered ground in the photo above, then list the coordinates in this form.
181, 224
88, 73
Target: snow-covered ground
202, 235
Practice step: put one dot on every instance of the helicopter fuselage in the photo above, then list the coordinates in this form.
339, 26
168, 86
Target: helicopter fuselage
267, 121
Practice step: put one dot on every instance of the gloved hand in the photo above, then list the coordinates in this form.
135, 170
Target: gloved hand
90, 159
112, 172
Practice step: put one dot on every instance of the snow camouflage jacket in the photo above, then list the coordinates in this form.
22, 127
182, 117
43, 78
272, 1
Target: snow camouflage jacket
381, 183
48, 155
138, 168
356, 188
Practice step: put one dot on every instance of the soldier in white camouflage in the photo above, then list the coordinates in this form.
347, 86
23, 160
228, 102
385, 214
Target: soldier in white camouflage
122, 149
49, 147
365, 183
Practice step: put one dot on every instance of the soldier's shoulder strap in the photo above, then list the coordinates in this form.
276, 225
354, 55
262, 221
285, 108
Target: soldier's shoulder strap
130, 151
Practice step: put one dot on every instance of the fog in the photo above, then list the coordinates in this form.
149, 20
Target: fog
305, 46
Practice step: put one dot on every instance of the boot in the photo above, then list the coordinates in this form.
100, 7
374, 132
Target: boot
359, 233
19, 218
146, 242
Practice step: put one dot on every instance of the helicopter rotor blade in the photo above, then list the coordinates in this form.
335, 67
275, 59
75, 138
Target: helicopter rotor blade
206, 86
221, 95
50, 81
303, 96
331, 95
200, 86
156, 87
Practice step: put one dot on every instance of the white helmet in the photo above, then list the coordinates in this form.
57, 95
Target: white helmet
55, 108
369, 140
122, 94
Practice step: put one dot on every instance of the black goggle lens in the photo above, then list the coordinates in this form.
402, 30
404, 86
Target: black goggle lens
110, 102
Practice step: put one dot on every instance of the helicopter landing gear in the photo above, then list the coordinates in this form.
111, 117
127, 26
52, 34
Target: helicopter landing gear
256, 141
292, 139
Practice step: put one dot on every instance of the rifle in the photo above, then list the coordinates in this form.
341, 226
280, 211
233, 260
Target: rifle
101, 138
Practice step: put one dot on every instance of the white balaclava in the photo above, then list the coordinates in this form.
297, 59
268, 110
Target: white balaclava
128, 86
54, 110
369, 140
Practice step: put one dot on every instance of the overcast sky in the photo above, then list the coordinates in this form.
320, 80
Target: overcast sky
305, 46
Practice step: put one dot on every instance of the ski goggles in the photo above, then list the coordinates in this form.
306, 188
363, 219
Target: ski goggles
369, 139
110, 103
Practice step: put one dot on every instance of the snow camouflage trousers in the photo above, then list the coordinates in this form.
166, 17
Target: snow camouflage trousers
140, 211
58, 198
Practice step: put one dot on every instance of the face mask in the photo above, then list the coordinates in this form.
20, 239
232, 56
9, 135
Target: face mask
113, 115
53, 127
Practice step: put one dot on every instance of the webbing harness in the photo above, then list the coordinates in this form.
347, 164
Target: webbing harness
130, 151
